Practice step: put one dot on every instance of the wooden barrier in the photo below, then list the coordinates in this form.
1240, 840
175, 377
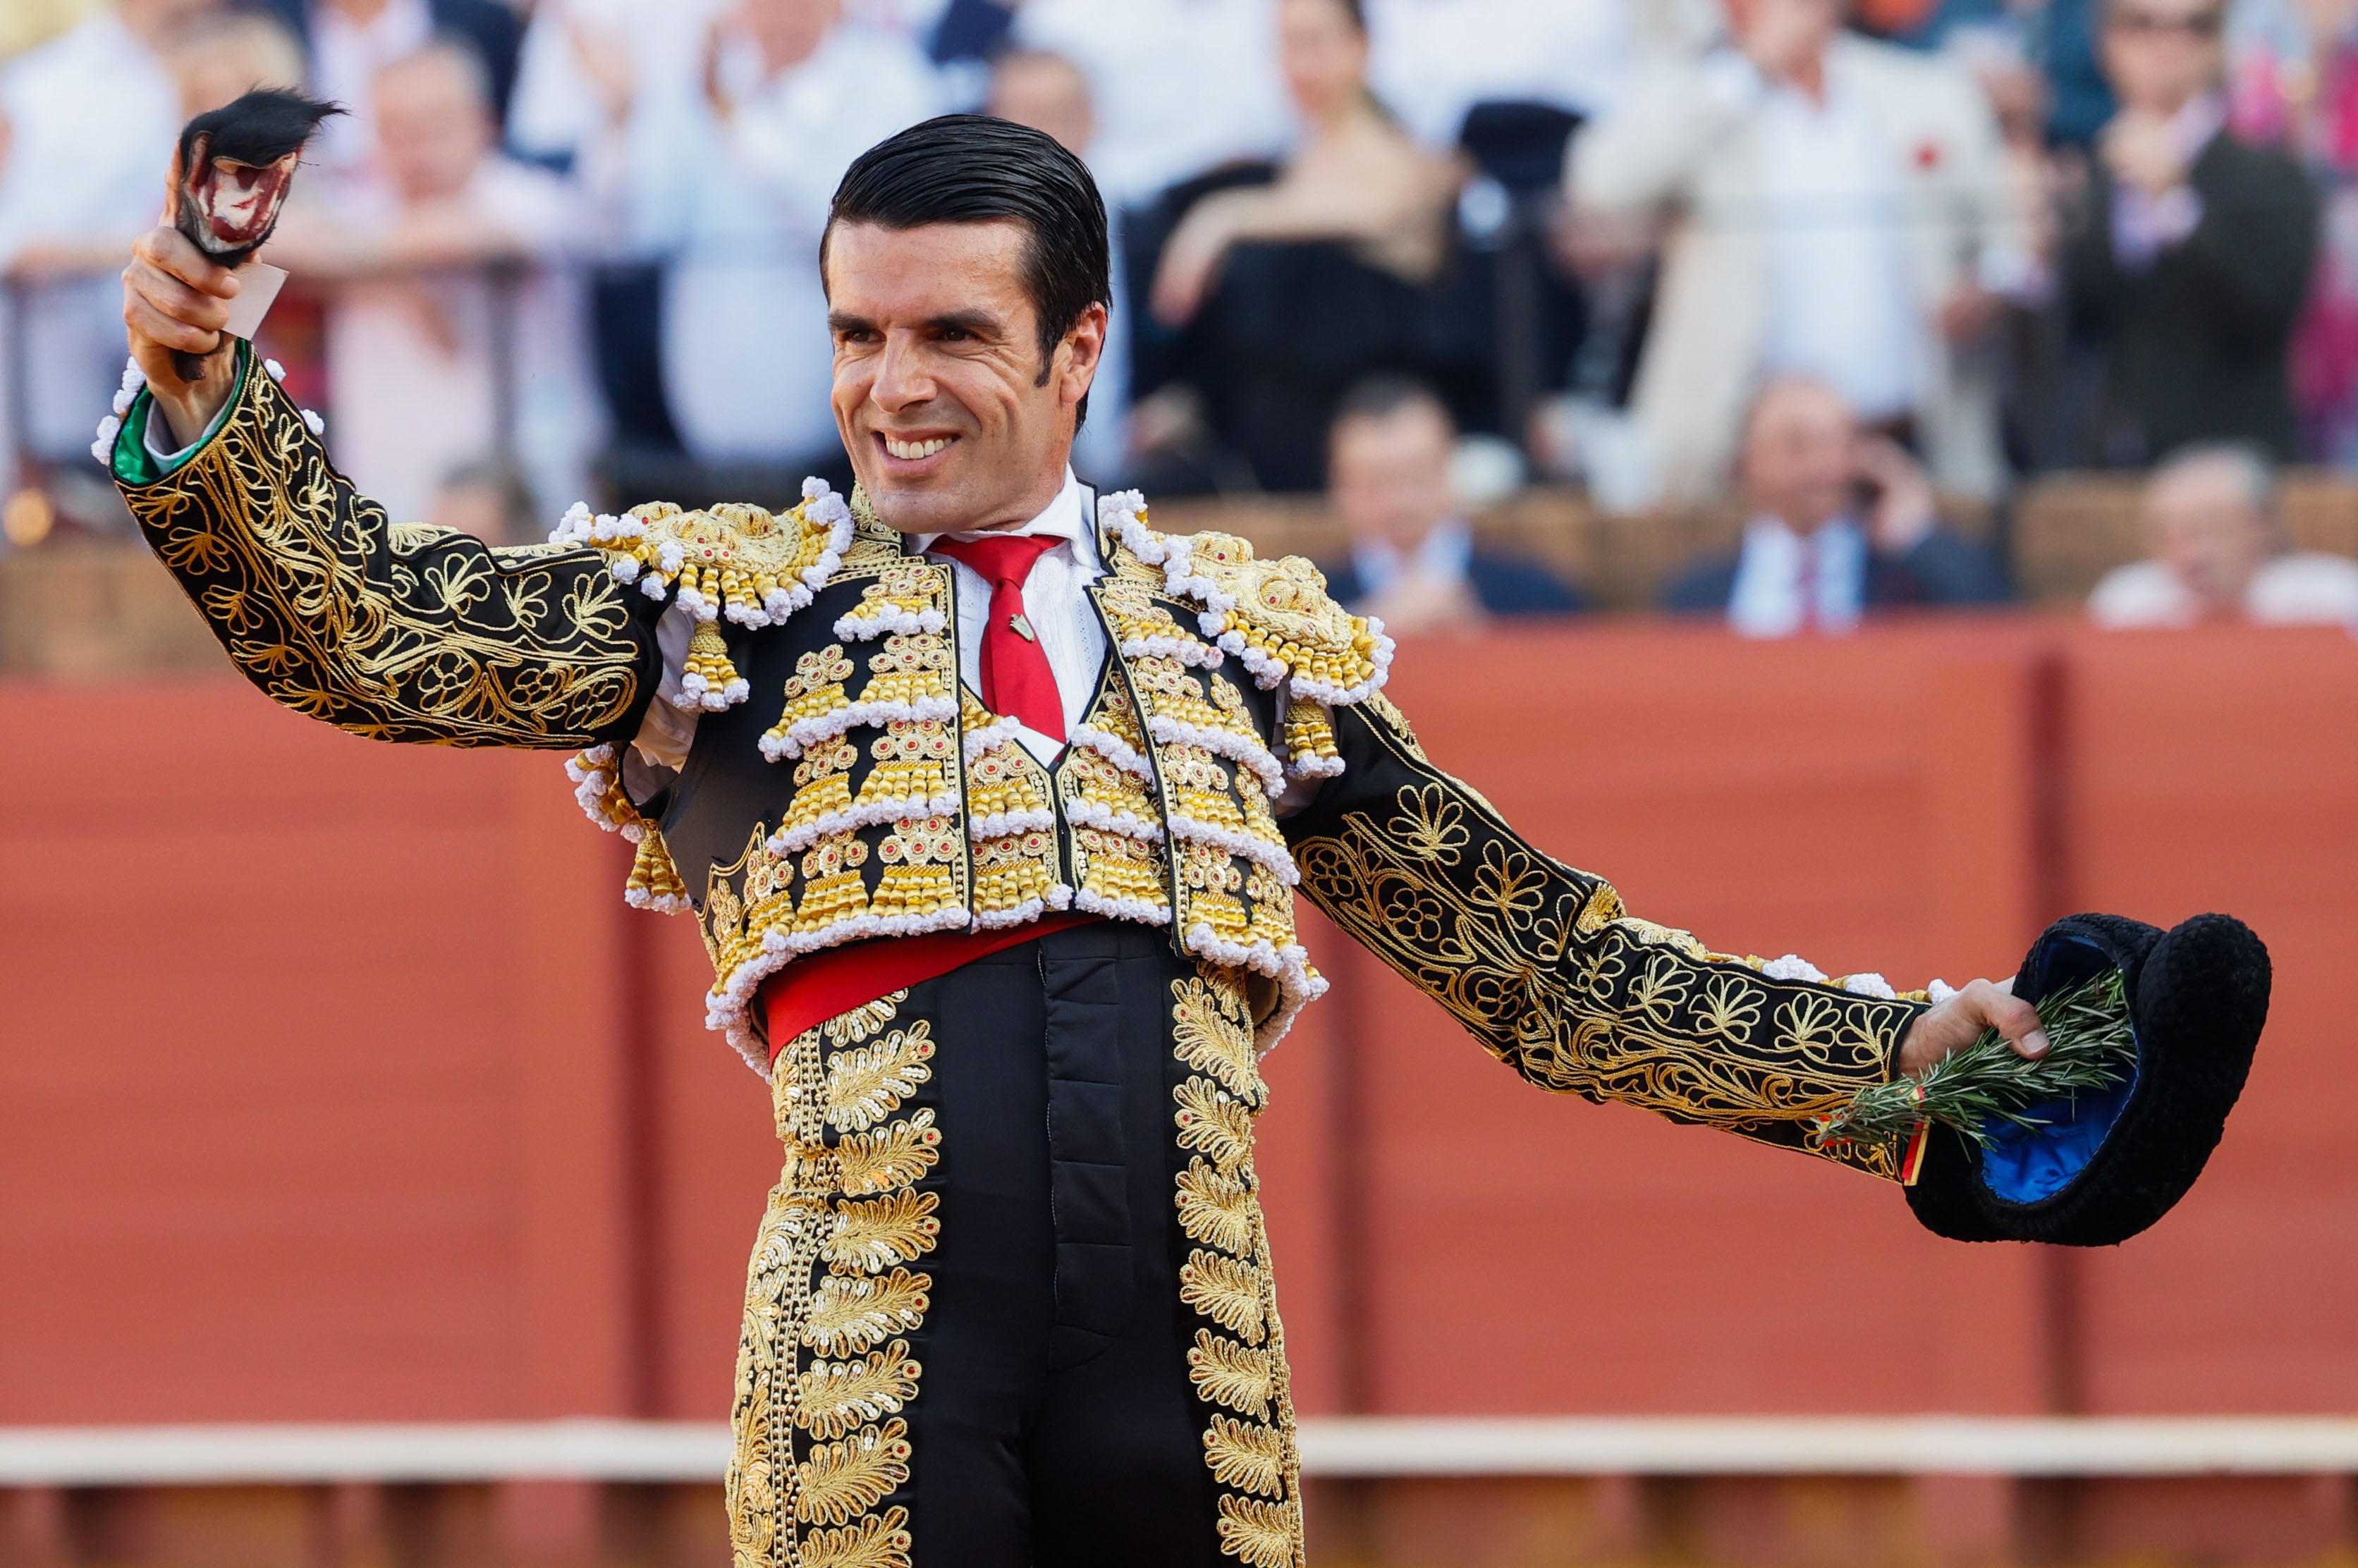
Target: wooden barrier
95, 613
339, 1086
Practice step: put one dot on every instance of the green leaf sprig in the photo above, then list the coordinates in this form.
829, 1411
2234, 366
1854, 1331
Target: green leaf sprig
2091, 1046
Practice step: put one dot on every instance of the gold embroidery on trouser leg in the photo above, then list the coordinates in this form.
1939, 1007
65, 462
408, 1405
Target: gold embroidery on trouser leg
824, 1375
1237, 1362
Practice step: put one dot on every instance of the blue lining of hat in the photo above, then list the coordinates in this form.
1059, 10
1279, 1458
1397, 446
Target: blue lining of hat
2024, 1164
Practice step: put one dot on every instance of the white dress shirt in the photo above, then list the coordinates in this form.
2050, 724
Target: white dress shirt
2301, 588
1444, 554
1842, 305
1055, 601
1786, 581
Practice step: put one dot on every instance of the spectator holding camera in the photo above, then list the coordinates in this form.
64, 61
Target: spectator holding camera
2189, 258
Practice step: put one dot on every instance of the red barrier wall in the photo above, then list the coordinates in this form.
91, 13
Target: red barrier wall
338, 1083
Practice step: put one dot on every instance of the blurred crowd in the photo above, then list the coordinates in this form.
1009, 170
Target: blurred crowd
1842, 273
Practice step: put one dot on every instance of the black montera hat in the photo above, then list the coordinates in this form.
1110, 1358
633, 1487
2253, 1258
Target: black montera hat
2108, 1164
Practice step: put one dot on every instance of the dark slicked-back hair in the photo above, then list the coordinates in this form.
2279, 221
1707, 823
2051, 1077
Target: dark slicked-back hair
972, 168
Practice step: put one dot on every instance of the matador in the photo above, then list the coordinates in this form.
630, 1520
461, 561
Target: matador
992, 803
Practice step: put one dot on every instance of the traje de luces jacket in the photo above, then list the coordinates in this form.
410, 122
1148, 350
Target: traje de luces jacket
842, 786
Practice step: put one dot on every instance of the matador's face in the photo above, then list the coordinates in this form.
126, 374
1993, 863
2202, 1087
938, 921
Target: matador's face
952, 420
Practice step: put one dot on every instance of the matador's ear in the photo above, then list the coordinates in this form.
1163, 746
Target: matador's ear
2106, 1163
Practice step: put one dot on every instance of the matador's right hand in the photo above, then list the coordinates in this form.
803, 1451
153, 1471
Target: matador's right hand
177, 298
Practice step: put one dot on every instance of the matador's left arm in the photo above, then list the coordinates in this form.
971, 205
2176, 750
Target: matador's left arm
1542, 964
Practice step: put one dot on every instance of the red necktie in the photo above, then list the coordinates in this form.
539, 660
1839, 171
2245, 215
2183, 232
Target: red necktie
1016, 678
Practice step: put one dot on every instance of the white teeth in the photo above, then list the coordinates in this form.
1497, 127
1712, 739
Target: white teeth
910, 451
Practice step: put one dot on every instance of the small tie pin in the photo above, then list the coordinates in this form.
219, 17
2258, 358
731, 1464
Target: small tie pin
1021, 628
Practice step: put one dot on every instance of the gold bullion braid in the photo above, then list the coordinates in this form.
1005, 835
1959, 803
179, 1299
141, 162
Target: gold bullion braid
1539, 963
825, 1377
396, 632
1237, 1359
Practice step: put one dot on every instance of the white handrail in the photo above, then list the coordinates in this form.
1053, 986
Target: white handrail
1370, 1446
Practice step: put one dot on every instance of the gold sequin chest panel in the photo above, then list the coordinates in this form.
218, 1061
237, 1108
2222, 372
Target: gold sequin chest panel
859, 792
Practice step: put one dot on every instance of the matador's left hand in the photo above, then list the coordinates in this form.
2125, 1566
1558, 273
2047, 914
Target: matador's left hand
1954, 1024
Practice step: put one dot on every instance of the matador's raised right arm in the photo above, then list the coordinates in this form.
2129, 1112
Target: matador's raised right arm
393, 631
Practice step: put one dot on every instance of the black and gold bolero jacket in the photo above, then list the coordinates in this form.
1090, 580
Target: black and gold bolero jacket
843, 785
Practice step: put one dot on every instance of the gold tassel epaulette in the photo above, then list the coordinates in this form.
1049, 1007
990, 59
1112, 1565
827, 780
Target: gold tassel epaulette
735, 563
1275, 617
654, 882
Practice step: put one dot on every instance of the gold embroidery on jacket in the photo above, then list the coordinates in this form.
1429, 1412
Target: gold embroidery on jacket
393, 631
1120, 867
1540, 964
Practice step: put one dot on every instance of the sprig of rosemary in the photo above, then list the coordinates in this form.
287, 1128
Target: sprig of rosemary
2091, 1046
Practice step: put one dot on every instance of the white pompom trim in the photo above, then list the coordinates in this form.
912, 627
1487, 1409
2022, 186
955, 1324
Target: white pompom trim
1086, 813
1113, 748
1259, 851
991, 736
1245, 749
866, 814
1134, 909
803, 733
821, 505
1008, 824
1793, 967
728, 1007
593, 774
1187, 650
864, 625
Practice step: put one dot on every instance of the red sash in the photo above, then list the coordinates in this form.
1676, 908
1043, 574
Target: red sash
816, 988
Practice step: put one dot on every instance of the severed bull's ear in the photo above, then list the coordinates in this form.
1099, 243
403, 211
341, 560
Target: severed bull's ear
2099, 1166
263, 131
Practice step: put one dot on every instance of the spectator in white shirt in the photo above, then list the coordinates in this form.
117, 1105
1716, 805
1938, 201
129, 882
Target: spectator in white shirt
2220, 553
1180, 86
353, 40
586, 68
455, 322
92, 118
1835, 208
1435, 60
790, 94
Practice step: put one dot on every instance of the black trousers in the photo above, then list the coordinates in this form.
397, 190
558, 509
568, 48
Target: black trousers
1054, 1423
